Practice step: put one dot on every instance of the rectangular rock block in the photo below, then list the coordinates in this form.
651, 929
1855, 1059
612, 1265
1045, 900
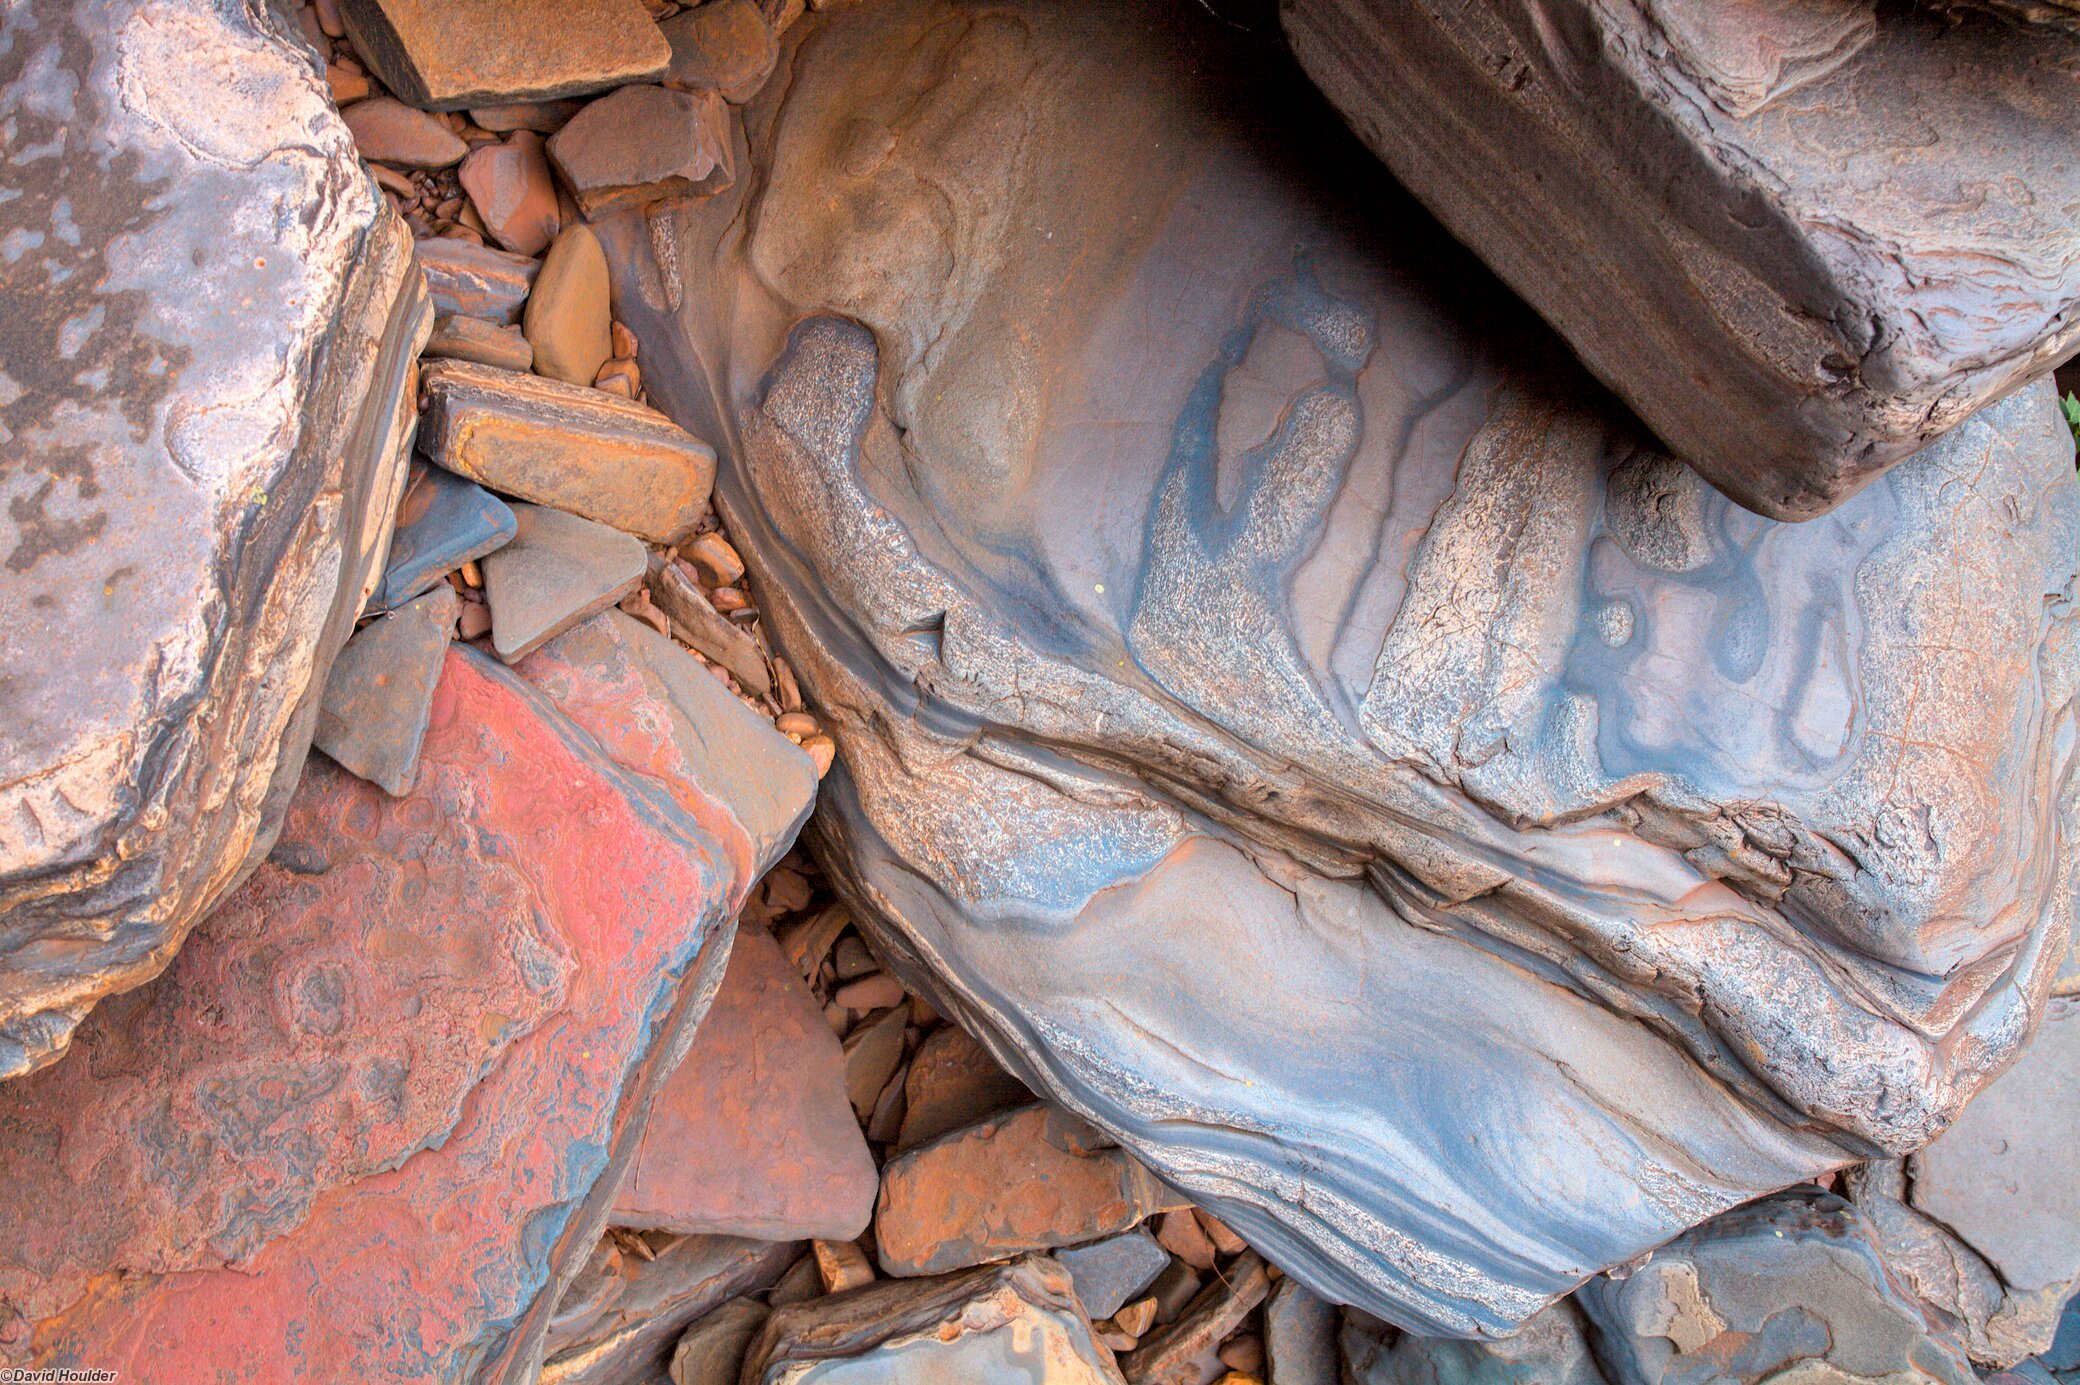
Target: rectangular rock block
446, 54
476, 281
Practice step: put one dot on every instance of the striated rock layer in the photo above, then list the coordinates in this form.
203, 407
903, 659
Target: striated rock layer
211, 320
1307, 731
1802, 240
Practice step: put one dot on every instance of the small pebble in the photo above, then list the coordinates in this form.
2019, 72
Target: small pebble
823, 751
1243, 1353
796, 724
715, 559
842, 1264
1136, 1318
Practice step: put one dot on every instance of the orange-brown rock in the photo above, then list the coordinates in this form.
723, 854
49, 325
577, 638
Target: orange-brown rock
447, 54
725, 46
476, 281
645, 144
953, 1082
1173, 1356
512, 189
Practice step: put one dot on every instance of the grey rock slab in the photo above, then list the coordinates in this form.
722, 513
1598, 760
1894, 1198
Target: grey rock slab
630, 1326
712, 1350
557, 570
475, 339
695, 620
380, 692
443, 522
1111, 1273
1551, 1349
204, 363
447, 54
1299, 1336
1802, 241
476, 281
1321, 642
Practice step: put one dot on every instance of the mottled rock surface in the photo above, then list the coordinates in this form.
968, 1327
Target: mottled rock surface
210, 324
1299, 718
1802, 241
447, 54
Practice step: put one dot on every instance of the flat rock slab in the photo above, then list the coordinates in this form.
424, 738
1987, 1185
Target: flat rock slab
695, 620
513, 190
476, 280
352, 1136
1300, 1337
443, 522
725, 46
446, 54
1110, 1273
557, 570
645, 144
210, 328
954, 1082
380, 692
1172, 1355
581, 450
1801, 242
628, 1334
1015, 1324
388, 131
486, 343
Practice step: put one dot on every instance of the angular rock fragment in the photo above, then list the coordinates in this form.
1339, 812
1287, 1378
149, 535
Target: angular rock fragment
1172, 1355
475, 280
204, 387
1017, 1324
511, 187
486, 343
380, 692
631, 1332
873, 1051
726, 46
557, 570
643, 145
752, 1135
1109, 1273
712, 1350
1300, 1337
1320, 643
709, 631
954, 1082
569, 320
446, 54
1030, 1180
542, 117
579, 450
1802, 241
389, 131
442, 523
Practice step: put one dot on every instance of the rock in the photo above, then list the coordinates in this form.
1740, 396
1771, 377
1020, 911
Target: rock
1181, 1235
712, 1350
842, 1265
490, 52
347, 82
1392, 854
870, 993
1552, 1349
513, 191
1137, 1317
542, 117
953, 1082
1173, 1291
872, 1053
1109, 1273
558, 570
486, 343
752, 1135
642, 145
1014, 1324
1791, 1284
568, 319
1756, 230
1025, 1181
715, 559
476, 281
709, 631
207, 351
342, 1112
380, 692
442, 523
1171, 1355
389, 131
632, 1336
726, 46
606, 459
1300, 1336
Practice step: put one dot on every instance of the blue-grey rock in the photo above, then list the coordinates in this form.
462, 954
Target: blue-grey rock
380, 694
1299, 1336
1551, 1349
2064, 1353
1109, 1274
443, 522
557, 570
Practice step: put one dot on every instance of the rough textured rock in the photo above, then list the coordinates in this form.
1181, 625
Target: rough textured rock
631, 1329
476, 280
210, 325
486, 343
1172, 1355
569, 320
752, 1136
711, 1352
953, 1082
1015, 1324
380, 692
447, 54
558, 570
580, 450
643, 145
443, 522
725, 46
513, 190
1109, 1273
351, 1137
1802, 241
1298, 718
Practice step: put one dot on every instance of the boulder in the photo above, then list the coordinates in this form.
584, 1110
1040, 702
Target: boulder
446, 54
1299, 719
207, 351
1802, 241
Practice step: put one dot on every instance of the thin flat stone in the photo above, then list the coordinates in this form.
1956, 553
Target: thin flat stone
388, 131
558, 570
712, 1350
447, 54
443, 522
645, 144
1299, 1336
1111, 1273
582, 450
476, 280
954, 1082
696, 621
460, 338
1171, 1355
380, 694
542, 117
631, 1337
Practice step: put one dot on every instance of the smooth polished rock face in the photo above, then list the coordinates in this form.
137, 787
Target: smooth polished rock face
210, 325
1801, 240
1297, 721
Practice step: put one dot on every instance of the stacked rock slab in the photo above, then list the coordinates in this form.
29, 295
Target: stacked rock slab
1298, 721
1802, 241
211, 320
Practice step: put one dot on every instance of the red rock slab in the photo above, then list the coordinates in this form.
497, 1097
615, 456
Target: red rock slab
372, 1119
752, 1134
953, 1081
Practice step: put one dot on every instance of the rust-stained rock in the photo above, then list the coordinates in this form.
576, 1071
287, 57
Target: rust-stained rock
645, 144
486, 343
726, 46
577, 449
953, 1081
389, 131
510, 185
476, 280
1172, 1355
569, 318
752, 1135
629, 1333
697, 622
1015, 1324
210, 323
1034, 1179
711, 1352
446, 54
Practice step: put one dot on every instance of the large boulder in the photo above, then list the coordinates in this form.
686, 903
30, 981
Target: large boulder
1802, 240
211, 322
1296, 720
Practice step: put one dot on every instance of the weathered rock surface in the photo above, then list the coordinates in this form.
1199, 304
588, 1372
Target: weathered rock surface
443, 522
607, 459
1552, 1349
388, 130
447, 54
1300, 1337
697, 622
643, 145
629, 1334
1801, 241
725, 46
1015, 1324
210, 324
1108, 1273
569, 319
1172, 1355
557, 570
513, 190
349, 1136
711, 1352
380, 692
475, 280
1300, 719
486, 343
953, 1082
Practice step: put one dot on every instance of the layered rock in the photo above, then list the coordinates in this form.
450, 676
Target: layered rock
1803, 241
210, 328
1298, 721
